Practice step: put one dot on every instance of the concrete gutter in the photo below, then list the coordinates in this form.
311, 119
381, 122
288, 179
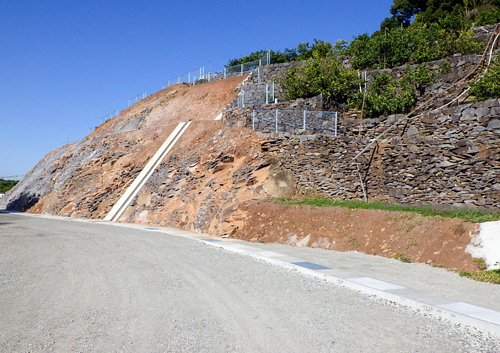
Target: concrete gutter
122, 204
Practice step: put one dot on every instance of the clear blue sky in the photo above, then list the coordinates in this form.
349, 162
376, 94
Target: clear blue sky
64, 64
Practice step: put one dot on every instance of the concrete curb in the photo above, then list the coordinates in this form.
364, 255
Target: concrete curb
483, 319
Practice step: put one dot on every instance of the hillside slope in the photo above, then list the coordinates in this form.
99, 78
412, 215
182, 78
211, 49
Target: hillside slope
86, 178
217, 178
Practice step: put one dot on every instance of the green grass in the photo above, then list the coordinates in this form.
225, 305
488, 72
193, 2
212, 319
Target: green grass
466, 214
491, 276
401, 257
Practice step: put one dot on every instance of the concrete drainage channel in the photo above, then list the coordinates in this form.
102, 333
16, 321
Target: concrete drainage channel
144, 175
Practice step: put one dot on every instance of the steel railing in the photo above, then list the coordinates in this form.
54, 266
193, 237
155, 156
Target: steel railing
293, 121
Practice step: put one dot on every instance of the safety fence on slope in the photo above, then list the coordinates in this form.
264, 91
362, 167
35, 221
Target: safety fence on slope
293, 121
201, 75
197, 76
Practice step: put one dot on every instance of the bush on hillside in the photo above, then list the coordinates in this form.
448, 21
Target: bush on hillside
303, 51
6, 185
418, 43
385, 96
488, 86
321, 76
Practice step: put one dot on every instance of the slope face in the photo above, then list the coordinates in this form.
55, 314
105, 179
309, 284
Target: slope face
85, 179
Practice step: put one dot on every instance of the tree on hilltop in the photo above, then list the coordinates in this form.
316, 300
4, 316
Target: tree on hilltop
450, 14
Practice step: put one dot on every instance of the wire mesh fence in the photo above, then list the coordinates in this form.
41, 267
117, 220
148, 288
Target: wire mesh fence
200, 75
293, 121
257, 95
136, 99
110, 116
189, 77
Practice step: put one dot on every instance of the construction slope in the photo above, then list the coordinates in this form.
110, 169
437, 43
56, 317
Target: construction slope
86, 178
215, 180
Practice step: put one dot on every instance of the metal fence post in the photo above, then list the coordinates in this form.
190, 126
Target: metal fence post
304, 121
274, 98
253, 120
189, 77
268, 57
224, 73
258, 73
241, 73
267, 92
276, 120
336, 120
243, 99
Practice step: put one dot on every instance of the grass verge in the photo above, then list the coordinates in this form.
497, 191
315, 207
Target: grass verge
466, 214
491, 276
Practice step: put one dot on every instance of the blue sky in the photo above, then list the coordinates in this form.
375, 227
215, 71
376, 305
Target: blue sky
65, 64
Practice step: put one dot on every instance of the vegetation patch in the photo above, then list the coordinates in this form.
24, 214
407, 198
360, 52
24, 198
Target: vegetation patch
466, 214
6, 185
488, 85
321, 76
491, 276
401, 257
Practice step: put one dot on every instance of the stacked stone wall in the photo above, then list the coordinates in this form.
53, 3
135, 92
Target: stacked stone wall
448, 158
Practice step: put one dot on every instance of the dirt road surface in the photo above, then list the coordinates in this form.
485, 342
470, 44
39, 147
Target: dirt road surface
69, 286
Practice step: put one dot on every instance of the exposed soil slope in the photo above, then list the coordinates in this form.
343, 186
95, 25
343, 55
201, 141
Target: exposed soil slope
433, 240
86, 178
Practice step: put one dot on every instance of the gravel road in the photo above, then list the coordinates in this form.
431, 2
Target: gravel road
70, 286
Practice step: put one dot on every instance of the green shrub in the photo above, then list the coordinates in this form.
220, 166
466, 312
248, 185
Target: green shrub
321, 76
6, 185
417, 43
487, 14
488, 86
385, 96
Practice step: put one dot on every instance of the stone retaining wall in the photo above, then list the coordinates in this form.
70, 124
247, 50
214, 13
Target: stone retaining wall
445, 158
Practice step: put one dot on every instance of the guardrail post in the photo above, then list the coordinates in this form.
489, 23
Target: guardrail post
276, 120
304, 121
336, 120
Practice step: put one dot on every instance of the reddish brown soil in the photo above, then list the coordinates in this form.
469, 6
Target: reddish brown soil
434, 240
95, 187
